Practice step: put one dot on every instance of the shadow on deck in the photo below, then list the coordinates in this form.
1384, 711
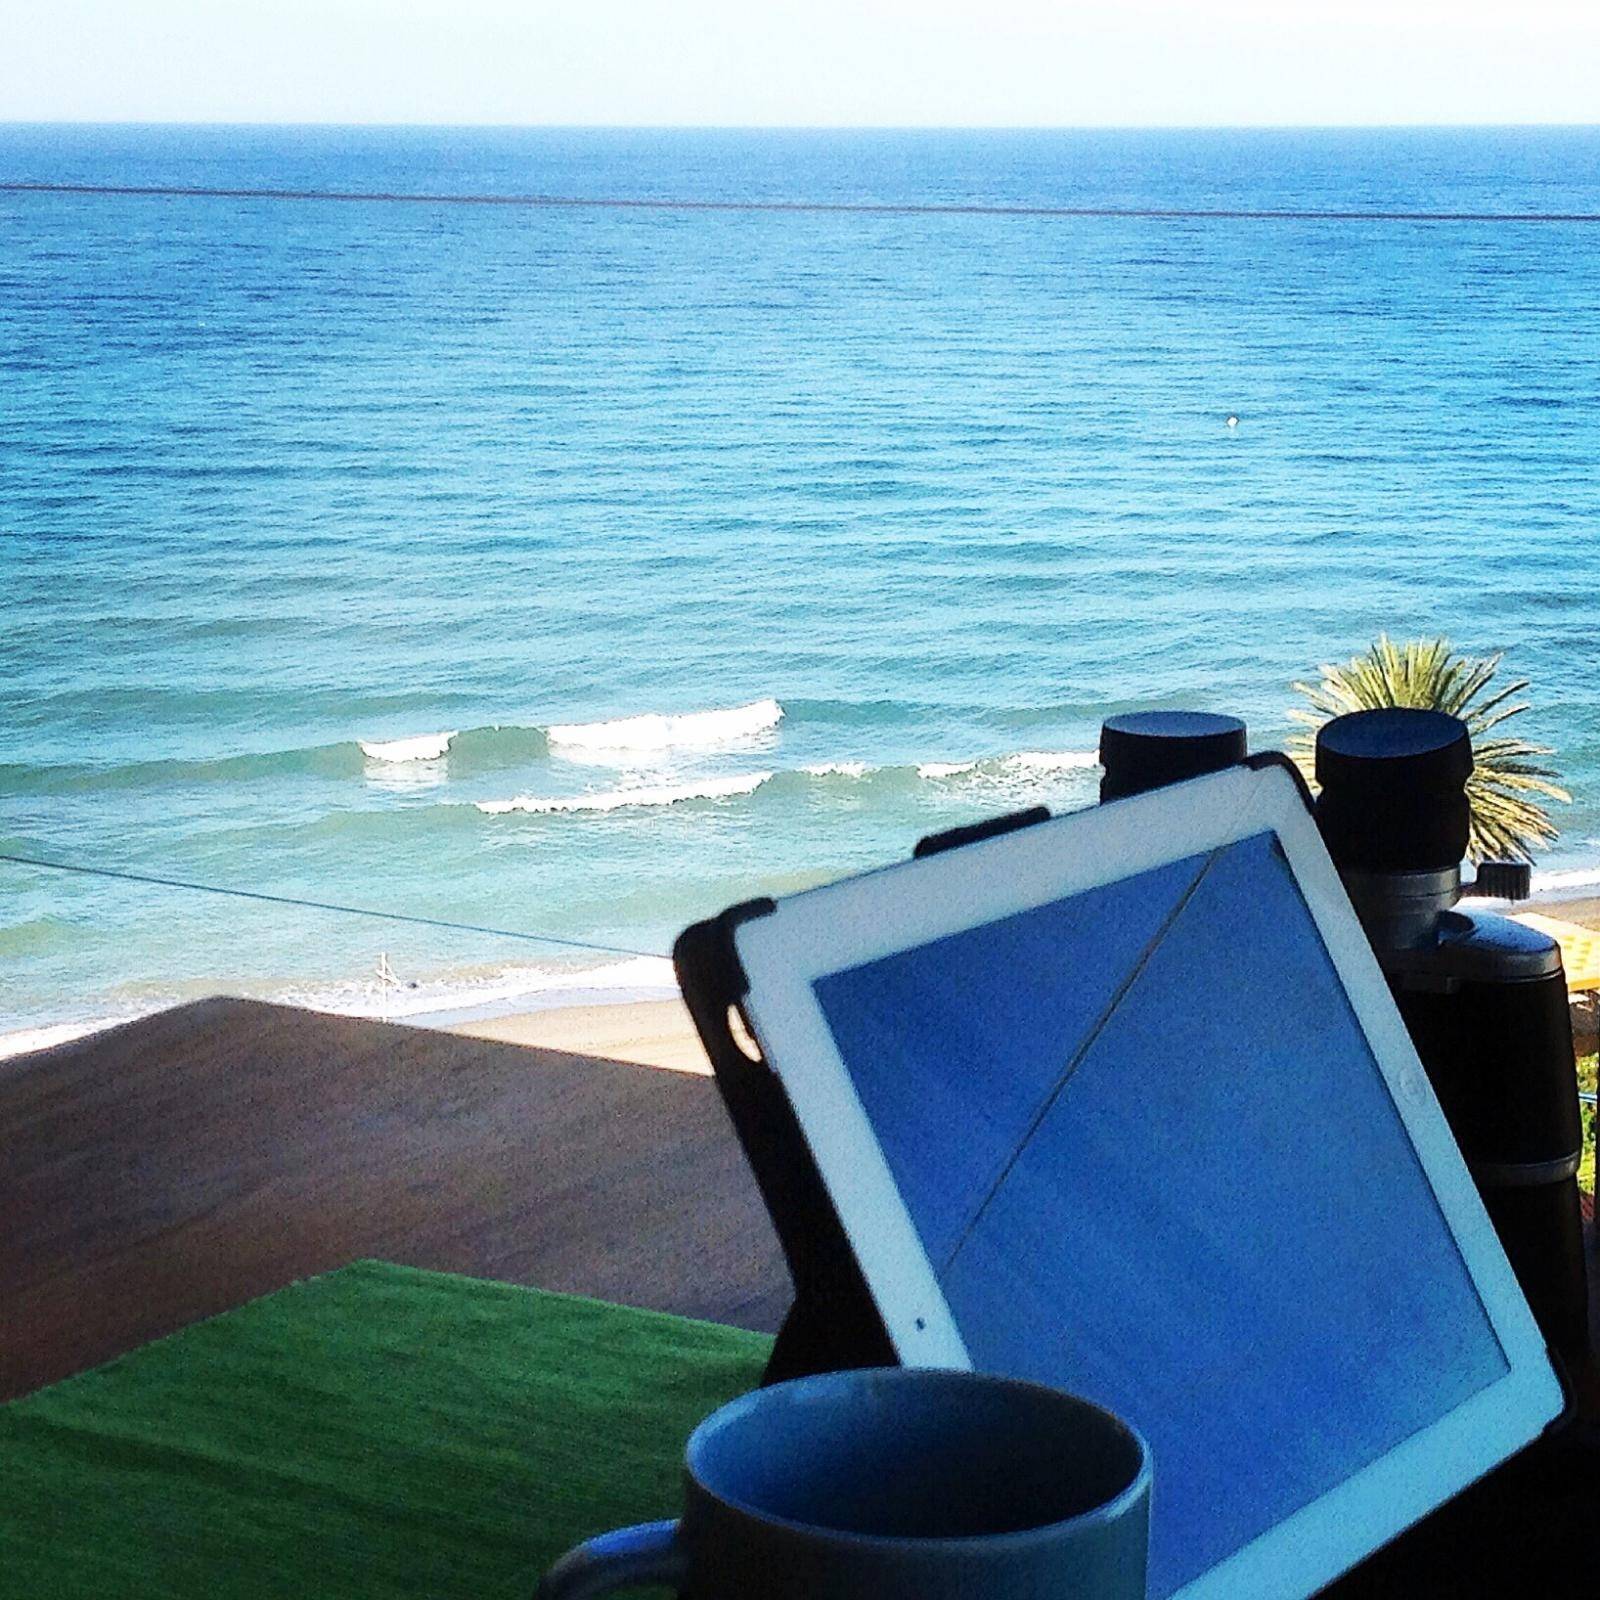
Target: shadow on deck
178, 1166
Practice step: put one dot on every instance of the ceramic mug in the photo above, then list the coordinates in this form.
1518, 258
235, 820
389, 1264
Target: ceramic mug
893, 1484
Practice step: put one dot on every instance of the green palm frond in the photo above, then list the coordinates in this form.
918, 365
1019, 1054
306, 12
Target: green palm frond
1507, 781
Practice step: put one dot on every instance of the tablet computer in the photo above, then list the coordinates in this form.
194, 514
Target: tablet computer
1120, 1102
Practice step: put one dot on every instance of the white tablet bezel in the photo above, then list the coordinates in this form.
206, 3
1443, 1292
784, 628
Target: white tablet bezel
842, 925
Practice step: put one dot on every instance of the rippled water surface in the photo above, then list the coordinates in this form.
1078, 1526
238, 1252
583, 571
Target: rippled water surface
870, 517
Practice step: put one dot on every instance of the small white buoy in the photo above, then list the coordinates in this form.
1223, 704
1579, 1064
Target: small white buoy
1233, 421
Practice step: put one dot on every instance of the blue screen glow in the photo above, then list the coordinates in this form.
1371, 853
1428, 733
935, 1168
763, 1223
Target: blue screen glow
1150, 1155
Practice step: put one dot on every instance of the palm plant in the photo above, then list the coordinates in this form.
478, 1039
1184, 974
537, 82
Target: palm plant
1507, 819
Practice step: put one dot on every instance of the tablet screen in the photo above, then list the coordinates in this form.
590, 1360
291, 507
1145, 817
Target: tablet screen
1148, 1151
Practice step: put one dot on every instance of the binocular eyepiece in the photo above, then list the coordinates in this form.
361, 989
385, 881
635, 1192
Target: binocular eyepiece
1394, 796
1149, 749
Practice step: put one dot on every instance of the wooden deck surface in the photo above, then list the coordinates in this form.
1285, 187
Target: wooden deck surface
177, 1167
181, 1165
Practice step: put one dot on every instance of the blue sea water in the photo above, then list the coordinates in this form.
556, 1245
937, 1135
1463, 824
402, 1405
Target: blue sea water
872, 516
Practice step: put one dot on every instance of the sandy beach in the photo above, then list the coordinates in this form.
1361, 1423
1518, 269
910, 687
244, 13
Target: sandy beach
1585, 912
658, 1033
648, 1033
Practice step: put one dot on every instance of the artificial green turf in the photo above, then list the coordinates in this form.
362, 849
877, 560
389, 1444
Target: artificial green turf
379, 1431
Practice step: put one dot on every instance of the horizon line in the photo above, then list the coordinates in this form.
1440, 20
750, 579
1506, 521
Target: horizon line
866, 208
798, 127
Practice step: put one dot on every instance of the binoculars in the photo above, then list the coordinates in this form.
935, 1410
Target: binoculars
1484, 998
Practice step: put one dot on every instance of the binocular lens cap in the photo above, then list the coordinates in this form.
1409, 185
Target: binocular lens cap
1394, 789
1146, 749
1395, 744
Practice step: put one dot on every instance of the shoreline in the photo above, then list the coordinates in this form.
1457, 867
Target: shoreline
660, 1033
646, 1029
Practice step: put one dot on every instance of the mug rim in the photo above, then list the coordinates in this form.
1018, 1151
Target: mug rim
1105, 1511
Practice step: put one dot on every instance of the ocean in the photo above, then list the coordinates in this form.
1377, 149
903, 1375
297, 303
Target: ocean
574, 571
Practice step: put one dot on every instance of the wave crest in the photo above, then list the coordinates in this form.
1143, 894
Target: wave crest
472, 750
1001, 776
424, 747
1018, 764
619, 799
694, 730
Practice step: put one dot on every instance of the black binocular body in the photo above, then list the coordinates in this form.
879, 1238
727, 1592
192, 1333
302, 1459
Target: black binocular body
1484, 997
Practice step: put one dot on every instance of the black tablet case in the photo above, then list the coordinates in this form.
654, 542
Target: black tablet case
834, 1323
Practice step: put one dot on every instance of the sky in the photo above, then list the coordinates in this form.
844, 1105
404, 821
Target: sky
937, 63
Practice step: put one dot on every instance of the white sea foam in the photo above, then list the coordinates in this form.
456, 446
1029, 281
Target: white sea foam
24, 1040
424, 747
433, 1001
1018, 765
1561, 882
618, 799
498, 992
695, 730
1004, 773
1052, 760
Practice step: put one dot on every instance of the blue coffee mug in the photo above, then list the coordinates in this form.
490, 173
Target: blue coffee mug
893, 1484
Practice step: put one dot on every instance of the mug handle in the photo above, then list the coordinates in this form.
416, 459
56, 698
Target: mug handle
626, 1558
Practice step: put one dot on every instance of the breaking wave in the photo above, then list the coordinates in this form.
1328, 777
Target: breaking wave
618, 799
694, 730
1020, 763
488, 748
425, 747
995, 777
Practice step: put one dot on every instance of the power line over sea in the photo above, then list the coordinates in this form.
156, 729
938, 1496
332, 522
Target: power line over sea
319, 905
846, 207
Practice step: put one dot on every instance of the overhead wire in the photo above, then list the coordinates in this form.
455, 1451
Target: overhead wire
890, 208
125, 876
